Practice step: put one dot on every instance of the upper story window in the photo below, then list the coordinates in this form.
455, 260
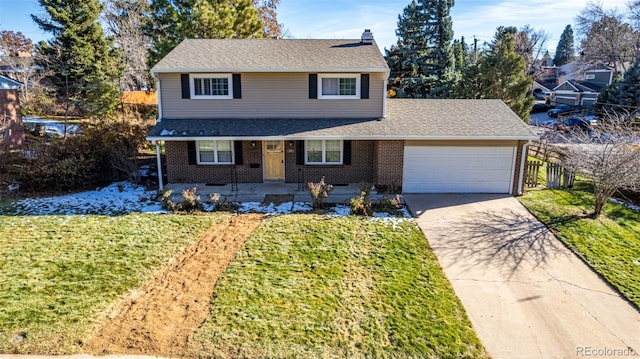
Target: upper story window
211, 86
215, 152
339, 86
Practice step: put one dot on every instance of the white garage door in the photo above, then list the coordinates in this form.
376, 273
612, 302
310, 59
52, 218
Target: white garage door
457, 169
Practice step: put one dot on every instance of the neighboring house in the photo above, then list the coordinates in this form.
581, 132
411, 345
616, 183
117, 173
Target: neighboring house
11, 126
288, 110
9, 84
584, 92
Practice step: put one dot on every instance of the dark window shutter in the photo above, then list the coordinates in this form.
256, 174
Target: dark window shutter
313, 86
237, 86
300, 153
364, 86
237, 149
186, 88
346, 156
191, 152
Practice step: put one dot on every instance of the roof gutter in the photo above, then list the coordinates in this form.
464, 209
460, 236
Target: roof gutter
387, 138
385, 70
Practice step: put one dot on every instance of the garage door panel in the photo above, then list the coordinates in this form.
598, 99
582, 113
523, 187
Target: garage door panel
457, 169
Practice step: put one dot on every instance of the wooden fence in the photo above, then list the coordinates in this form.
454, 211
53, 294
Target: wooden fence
544, 151
558, 176
533, 170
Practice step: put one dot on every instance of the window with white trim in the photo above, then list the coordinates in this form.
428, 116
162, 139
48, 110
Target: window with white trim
211, 86
323, 152
215, 152
338, 86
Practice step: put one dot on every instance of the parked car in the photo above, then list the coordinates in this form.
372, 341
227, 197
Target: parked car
576, 123
561, 110
540, 107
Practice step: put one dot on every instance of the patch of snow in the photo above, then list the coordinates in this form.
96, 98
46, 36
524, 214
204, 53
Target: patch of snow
13, 186
125, 197
632, 206
340, 210
269, 209
166, 132
301, 207
52, 127
117, 198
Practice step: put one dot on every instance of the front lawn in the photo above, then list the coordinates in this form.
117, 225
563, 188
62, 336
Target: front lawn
610, 244
315, 286
59, 273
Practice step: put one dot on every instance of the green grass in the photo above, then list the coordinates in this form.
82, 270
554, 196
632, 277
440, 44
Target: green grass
610, 244
313, 286
60, 273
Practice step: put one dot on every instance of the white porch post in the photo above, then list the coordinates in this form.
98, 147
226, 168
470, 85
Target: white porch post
159, 162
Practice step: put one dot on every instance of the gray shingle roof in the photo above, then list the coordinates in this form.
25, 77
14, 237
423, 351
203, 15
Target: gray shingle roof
406, 119
270, 55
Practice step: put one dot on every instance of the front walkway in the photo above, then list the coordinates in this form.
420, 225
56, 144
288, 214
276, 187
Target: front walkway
525, 293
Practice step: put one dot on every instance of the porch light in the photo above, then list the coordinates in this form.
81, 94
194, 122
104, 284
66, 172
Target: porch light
253, 143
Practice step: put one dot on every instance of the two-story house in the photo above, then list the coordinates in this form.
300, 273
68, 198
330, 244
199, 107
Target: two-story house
291, 110
584, 92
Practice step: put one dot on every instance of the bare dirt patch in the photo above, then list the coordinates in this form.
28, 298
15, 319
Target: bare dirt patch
159, 317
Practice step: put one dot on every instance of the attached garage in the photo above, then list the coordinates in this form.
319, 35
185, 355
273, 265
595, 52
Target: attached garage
458, 169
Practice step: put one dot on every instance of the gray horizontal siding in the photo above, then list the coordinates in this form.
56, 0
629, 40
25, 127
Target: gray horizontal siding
270, 95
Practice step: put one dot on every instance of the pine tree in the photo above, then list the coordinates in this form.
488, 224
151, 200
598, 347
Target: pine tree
85, 66
172, 21
422, 62
623, 95
565, 51
499, 74
461, 53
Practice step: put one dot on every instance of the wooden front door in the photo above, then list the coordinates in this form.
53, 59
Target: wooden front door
273, 159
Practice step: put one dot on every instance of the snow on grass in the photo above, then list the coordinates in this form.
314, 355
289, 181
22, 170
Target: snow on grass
117, 198
340, 210
125, 197
632, 206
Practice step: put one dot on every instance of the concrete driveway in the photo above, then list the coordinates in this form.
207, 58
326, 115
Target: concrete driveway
526, 294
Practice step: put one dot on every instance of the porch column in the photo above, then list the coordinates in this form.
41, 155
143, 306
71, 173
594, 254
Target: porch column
159, 163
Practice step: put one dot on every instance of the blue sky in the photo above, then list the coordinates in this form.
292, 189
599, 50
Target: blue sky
348, 18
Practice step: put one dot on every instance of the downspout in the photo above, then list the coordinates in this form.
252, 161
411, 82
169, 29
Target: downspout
155, 76
159, 163
154, 142
523, 161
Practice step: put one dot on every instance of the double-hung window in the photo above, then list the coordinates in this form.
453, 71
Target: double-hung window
215, 152
211, 86
339, 86
323, 152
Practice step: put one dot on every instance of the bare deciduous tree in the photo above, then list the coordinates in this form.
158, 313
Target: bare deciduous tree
531, 45
124, 19
17, 53
609, 155
606, 36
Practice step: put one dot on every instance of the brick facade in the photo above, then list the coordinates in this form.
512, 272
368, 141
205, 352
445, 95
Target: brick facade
389, 159
516, 173
180, 171
360, 169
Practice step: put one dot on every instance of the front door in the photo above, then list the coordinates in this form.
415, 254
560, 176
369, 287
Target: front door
273, 160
